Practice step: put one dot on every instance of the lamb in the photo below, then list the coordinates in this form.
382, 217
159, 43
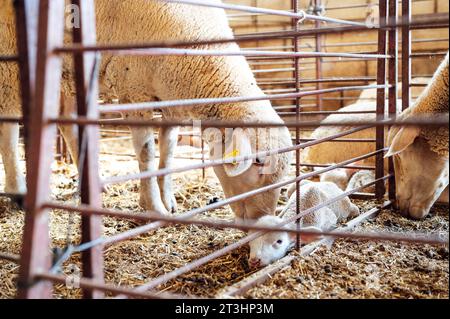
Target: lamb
274, 245
339, 176
141, 79
421, 155
361, 178
348, 179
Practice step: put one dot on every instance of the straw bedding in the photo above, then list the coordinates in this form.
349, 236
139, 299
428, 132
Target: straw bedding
406, 271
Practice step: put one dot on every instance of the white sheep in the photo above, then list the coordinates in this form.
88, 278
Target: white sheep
332, 152
371, 94
426, 144
421, 155
274, 245
142, 79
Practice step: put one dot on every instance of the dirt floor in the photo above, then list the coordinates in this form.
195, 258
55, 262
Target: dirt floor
348, 270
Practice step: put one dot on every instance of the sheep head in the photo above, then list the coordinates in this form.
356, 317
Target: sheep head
272, 246
421, 174
237, 177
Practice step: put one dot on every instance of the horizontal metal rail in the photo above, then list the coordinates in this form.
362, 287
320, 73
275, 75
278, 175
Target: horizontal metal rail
226, 100
428, 54
9, 58
301, 15
327, 165
90, 284
438, 120
11, 119
418, 22
246, 53
314, 113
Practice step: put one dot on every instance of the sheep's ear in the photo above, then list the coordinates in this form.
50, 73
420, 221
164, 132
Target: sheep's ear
239, 145
401, 140
306, 238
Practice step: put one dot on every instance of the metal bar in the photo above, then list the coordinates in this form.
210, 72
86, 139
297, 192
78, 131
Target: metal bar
246, 53
92, 285
225, 100
343, 140
381, 80
86, 79
11, 119
36, 242
296, 75
393, 85
427, 54
327, 165
318, 61
438, 20
9, 58
429, 121
406, 54
300, 15
326, 113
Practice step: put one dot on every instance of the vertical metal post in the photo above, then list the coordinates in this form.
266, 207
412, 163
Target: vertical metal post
295, 7
381, 98
86, 78
35, 256
406, 54
393, 80
203, 156
317, 4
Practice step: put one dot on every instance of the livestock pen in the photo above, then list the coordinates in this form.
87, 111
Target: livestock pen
311, 58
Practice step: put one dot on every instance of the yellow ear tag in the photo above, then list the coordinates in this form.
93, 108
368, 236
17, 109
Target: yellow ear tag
234, 153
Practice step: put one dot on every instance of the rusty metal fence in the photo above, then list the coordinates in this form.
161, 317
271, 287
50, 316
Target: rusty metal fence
40, 52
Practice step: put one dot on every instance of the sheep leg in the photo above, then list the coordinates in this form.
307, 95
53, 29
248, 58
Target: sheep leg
144, 146
168, 138
9, 149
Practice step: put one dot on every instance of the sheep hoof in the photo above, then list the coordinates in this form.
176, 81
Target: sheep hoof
171, 203
152, 207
